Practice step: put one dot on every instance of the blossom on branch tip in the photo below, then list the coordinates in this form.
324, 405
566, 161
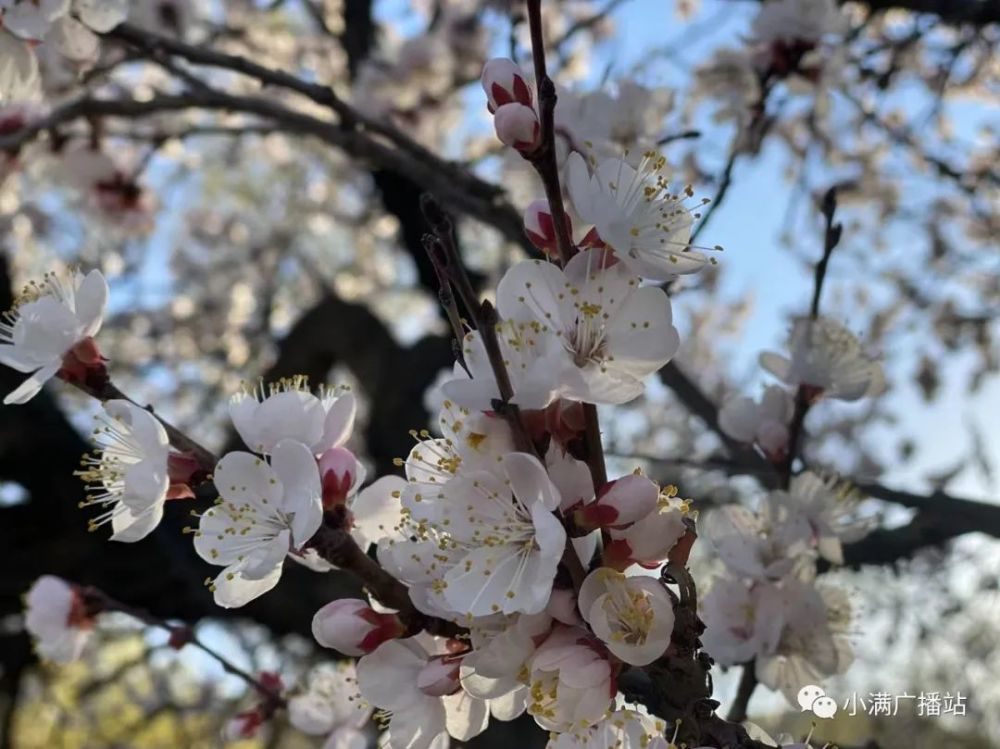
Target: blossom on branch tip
341, 474
633, 616
517, 126
504, 83
613, 332
50, 332
635, 214
743, 620
763, 545
288, 409
352, 627
827, 360
265, 511
57, 619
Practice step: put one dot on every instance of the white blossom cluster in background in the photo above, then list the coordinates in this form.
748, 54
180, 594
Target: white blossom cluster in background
543, 582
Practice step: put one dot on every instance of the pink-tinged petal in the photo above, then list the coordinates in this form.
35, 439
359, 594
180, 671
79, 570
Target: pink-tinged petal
32, 386
339, 422
387, 677
91, 302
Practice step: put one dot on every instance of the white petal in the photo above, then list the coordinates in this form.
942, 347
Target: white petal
387, 677
74, 40
102, 15
339, 422
33, 385
129, 527
465, 716
91, 302
294, 465
529, 480
376, 511
239, 591
243, 477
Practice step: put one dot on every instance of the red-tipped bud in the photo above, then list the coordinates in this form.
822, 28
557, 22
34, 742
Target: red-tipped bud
619, 503
244, 725
517, 126
353, 627
184, 470
439, 677
338, 470
504, 83
540, 228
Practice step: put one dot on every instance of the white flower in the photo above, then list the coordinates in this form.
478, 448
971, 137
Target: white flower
743, 620
403, 679
288, 410
332, 706
131, 475
765, 423
828, 509
623, 729
815, 641
265, 511
614, 332
647, 226
760, 545
649, 540
18, 68
572, 681
495, 668
56, 619
502, 538
51, 320
101, 15
633, 616
352, 627
827, 359
533, 363
31, 19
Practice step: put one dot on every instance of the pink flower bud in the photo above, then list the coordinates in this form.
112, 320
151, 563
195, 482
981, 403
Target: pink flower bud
338, 470
440, 676
504, 83
619, 503
539, 227
517, 126
353, 627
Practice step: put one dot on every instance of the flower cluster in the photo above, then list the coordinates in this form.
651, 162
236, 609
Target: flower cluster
32, 27
768, 609
510, 574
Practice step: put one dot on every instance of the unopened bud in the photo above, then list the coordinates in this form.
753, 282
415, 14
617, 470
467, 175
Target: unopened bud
517, 126
338, 470
243, 726
439, 677
354, 628
504, 83
540, 228
619, 503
